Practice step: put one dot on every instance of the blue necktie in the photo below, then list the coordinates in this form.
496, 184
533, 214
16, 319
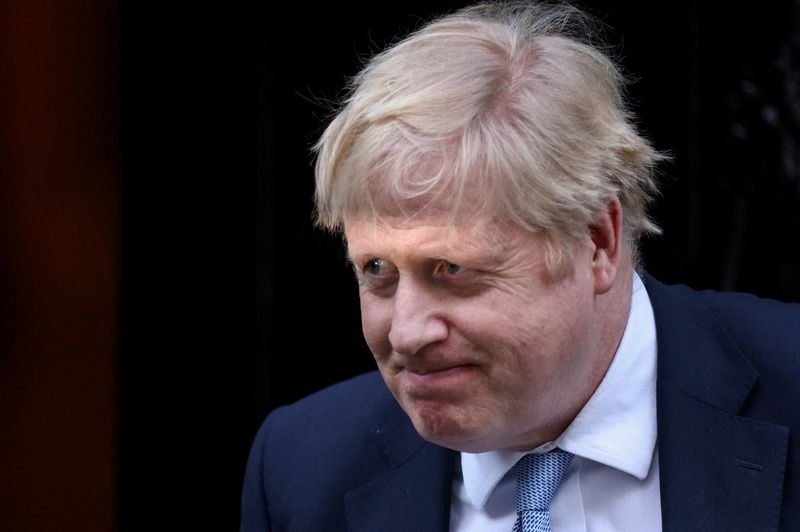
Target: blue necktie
538, 476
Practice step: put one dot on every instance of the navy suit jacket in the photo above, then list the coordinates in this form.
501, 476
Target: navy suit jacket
728, 403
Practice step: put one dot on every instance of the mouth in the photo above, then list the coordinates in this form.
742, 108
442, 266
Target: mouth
424, 379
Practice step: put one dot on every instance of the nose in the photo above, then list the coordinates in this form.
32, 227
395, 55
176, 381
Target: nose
416, 317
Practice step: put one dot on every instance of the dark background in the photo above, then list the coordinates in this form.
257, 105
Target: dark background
165, 283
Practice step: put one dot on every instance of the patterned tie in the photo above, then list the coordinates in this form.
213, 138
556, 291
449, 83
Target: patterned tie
538, 476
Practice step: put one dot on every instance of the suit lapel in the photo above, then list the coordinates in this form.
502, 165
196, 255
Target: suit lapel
718, 471
416, 491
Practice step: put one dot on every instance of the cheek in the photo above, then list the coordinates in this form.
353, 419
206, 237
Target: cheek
376, 321
531, 338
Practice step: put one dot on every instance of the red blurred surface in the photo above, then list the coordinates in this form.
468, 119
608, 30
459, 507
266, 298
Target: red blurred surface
59, 240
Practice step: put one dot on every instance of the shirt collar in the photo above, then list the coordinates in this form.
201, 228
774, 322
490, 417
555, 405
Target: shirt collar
616, 427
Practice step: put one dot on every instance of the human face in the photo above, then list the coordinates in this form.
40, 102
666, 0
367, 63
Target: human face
481, 348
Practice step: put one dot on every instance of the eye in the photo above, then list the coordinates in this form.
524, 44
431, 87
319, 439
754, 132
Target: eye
377, 267
450, 268
377, 275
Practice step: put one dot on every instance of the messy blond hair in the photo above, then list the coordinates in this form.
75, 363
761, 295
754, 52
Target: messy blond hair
500, 110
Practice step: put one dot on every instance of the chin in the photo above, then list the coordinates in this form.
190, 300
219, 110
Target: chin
448, 427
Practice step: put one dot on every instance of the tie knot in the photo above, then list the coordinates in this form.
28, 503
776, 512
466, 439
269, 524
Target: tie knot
538, 477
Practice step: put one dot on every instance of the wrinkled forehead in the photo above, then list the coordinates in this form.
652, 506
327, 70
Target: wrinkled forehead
442, 234
453, 216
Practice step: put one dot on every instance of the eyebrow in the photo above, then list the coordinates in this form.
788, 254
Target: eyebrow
348, 257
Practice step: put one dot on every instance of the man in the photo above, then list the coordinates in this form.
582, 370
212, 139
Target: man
491, 188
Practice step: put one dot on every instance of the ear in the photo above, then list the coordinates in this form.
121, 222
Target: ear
606, 235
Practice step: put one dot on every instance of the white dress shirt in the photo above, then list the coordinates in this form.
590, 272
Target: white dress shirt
612, 483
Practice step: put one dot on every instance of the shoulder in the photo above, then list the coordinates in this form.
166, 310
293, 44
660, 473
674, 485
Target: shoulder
353, 402
317, 449
332, 422
703, 333
753, 322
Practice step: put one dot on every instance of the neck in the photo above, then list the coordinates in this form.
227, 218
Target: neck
615, 306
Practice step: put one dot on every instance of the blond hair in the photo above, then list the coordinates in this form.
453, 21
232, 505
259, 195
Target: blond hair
504, 111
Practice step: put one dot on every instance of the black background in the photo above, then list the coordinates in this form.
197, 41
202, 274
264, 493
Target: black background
232, 303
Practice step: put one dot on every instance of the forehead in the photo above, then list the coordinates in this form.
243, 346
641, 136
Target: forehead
433, 237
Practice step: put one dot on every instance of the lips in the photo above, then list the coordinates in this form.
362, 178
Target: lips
422, 379
428, 365
428, 370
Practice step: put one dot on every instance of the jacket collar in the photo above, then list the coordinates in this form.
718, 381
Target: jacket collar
718, 470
